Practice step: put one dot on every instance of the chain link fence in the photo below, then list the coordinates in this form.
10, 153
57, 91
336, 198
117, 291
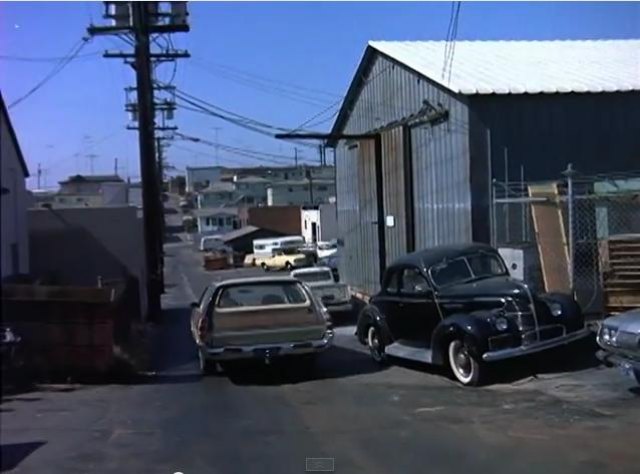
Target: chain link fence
564, 227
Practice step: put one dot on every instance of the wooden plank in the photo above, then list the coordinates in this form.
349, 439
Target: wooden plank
550, 237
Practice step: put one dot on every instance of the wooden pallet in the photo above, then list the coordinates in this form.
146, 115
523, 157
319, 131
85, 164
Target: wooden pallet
621, 273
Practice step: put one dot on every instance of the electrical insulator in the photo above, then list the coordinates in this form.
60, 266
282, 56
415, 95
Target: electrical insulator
179, 13
119, 12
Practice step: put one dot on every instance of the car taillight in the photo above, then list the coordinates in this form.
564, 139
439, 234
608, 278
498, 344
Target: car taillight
202, 327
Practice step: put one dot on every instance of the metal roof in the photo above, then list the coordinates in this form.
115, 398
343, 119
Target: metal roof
523, 67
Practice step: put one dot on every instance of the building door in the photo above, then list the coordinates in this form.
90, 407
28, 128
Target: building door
314, 232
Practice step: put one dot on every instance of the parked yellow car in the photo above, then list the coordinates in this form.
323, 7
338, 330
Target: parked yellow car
285, 259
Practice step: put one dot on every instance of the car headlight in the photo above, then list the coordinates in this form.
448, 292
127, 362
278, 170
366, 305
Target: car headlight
501, 323
608, 335
556, 309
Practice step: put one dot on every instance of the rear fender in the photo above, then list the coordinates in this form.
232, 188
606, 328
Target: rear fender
370, 315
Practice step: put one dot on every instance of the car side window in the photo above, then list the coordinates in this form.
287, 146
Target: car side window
413, 283
391, 284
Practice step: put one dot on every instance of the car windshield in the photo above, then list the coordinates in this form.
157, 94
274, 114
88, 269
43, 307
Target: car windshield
261, 295
465, 269
316, 276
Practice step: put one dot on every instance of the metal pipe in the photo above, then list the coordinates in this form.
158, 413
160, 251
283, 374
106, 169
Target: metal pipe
506, 185
569, 174
523, 206
492, 231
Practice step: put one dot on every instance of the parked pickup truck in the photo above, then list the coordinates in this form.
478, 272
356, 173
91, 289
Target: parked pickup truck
619, 338
258, 318
335, 296
457, 306
284, 259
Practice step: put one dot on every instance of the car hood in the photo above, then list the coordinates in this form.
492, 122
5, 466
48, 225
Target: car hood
488, 287
628, 321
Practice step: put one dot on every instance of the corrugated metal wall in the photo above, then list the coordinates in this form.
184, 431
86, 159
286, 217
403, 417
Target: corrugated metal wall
441, 185
357, 214
440, 158
394, 198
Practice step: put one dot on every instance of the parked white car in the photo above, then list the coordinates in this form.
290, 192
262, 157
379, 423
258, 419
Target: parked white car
212, 243
326, 249
335, 296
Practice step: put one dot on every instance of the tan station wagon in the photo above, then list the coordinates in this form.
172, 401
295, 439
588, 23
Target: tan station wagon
260, 318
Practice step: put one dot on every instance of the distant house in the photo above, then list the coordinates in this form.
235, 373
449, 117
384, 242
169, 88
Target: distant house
200, 177
302, 192
216, 195
14, 198
252, 190
92, 191
217, 220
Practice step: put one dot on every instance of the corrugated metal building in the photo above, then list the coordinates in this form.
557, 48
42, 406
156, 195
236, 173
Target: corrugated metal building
418, 141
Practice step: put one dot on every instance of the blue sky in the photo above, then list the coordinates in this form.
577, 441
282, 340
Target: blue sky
316, 45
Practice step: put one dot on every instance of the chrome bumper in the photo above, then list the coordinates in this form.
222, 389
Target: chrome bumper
535, 347
267, 351
612, 358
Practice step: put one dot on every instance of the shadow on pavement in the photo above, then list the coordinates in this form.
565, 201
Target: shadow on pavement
13, 454
336, 362
572, 358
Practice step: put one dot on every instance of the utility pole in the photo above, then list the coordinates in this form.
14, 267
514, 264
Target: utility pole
309, 176
115, 166
39, 175
138, 21
295, 156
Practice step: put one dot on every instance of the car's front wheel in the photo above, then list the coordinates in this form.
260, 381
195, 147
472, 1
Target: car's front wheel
288, 266
636, 374
463, 364
375, 344
264, 267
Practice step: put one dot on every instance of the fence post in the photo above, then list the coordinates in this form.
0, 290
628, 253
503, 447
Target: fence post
569, 173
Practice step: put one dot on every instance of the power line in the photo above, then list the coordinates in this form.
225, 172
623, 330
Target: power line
56, 70
45, 59
258, 155
277, 83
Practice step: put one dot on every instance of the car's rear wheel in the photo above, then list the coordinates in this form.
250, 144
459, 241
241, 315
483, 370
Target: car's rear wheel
636, 374
375, 344
207, 367
288, 266
464, 366
264, 267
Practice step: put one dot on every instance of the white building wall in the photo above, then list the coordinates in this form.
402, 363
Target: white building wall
309, 217
14, 200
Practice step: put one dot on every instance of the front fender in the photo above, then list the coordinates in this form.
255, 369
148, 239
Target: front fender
371, 315
474, 328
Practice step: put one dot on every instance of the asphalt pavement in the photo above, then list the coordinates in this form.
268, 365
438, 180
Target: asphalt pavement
560, 413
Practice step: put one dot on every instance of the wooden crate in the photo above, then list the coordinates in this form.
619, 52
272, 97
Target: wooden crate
63, 329
621, 272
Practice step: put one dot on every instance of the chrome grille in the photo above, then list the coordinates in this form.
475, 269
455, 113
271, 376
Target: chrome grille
521, 312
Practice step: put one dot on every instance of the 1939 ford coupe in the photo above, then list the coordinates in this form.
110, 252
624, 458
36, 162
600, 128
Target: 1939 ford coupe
457, 305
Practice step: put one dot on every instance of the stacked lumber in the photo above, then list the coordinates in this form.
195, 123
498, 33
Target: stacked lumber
621, 274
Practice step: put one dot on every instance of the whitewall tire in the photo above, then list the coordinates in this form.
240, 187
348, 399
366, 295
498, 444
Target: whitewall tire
466, 369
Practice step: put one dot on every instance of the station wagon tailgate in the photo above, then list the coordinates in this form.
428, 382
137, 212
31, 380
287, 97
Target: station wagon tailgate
331, 292
266, 325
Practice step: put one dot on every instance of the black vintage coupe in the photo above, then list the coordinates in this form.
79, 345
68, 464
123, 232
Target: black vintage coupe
457, 305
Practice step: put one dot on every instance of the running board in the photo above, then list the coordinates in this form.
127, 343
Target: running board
404, 351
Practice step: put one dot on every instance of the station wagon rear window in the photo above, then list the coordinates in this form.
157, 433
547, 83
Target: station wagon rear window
261, 294
467, 269
313, 277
